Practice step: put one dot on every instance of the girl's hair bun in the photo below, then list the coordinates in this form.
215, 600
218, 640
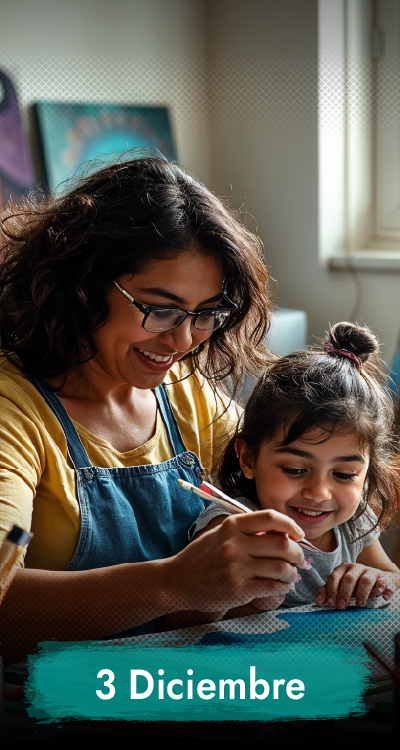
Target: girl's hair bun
350, 337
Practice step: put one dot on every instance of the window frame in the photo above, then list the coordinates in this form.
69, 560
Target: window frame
350, 51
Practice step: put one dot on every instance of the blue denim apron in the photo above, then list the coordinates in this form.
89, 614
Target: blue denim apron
135, 513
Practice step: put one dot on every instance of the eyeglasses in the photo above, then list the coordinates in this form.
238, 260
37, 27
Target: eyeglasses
158, 319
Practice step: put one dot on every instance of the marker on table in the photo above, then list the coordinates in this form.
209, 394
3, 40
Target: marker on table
208, 492
13, 546
394, 672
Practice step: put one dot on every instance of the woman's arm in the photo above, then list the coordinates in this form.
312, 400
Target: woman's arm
69, 605
229, 566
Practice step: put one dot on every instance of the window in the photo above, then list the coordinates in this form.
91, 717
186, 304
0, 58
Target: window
359, 133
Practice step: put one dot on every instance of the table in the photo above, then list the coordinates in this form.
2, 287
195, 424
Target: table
283, 628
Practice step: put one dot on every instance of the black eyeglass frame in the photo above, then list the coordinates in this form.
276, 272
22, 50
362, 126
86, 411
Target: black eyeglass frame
148, 309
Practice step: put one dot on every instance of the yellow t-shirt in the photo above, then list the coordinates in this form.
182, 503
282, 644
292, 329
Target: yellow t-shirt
37, 479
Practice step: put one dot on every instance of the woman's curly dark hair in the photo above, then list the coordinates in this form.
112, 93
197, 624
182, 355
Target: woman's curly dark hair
342, 388
59, 255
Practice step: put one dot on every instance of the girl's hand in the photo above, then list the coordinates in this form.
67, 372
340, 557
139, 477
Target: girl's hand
233, 564
351, 579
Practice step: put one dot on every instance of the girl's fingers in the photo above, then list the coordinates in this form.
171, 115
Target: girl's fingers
347, 586
365, 585
333, 582
389, 590
378, 589
350, 578
387, 594
375, 592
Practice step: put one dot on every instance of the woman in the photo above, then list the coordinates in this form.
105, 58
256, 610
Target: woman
123, 304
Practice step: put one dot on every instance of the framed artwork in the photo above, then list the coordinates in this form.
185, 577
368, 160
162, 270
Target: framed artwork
16, 171
70, 135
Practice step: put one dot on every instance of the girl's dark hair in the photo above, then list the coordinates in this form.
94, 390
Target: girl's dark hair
341, 387
59, 255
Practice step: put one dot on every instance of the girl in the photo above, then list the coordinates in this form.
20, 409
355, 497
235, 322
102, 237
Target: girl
317, 443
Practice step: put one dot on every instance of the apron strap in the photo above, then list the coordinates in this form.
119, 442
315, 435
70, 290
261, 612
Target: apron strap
171, 425
76, 451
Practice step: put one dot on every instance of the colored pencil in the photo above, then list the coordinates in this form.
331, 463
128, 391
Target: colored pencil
393, 672
224, 502
228, 503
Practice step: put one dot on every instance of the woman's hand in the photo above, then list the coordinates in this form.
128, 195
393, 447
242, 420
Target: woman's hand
361, 581
248, 557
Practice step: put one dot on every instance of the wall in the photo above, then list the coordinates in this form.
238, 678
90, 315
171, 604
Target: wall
264, 152
141, 51
241, 80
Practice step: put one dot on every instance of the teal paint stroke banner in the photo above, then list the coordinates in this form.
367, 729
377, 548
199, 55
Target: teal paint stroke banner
63, 680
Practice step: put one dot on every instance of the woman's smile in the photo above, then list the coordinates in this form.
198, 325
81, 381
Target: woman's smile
155, 357
127, 353
155, 361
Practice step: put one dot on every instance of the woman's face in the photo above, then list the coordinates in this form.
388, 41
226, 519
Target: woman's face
318, 484
191, 281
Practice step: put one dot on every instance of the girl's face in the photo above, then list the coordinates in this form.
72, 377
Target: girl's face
318, 484
127, 354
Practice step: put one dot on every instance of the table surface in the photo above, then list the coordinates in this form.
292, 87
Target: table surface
298, 625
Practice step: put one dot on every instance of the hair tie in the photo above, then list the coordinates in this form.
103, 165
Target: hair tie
343, 353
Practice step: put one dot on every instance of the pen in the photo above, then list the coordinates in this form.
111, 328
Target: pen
208, 492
